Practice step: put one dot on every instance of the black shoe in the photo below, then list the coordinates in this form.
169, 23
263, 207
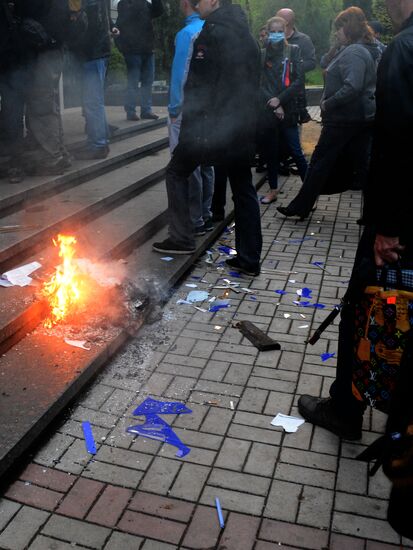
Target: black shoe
304, 117
234, 263
172, 248
200, 230
293, 170
91, 153
217, 219
209, 225
260, 169
149, 116
132, 116
283, 170
288, 212
321, 412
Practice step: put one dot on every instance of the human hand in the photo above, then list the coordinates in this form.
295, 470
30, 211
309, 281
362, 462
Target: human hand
274, 103
387, 249
115, 31
279, 113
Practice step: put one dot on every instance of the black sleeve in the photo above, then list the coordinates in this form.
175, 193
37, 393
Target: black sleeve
297, 77
157, 8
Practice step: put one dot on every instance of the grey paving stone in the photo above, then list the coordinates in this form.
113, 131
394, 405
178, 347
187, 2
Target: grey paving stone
316, 507
193, 420
283, 501
305, 476
262, 459
238, 374
239, 431
160, 476
232, 357
233, 500
180, 388
190, 482
123, 541
51, 452
123, 457
22, 528
252, 419
97, 418
118, 401
215, 370
379, 486
217, 421
369, 528
219, 388
8, 509
46, 543
199, 439
239, 481
156, 545
95, 398
73, 530
74, 459
269, 384
157, 384
253, 400
352, 476
232, 454
179, 370
278, 402
202, 348
360, 505
182, 346
309, 459
111, 473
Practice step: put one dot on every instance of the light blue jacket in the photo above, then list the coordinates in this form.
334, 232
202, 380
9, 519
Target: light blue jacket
183, 51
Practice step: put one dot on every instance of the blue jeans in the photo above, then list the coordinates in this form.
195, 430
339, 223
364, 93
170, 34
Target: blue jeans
141, 69
201, 188
94, 73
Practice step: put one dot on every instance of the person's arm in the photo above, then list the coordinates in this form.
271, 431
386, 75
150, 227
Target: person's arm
353, 69
297, 78
308, 52
183, 44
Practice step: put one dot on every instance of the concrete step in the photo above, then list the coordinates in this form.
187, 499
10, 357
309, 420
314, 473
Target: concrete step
27, 193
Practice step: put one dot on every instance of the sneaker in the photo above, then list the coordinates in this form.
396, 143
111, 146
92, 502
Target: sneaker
132, 116
91, 153
209, 225
234, 263
321, 412
168, 246
200, 230
149, 116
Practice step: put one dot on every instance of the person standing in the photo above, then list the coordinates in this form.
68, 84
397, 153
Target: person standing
281, 83
304, 42
136, 42
218, 128
201, 181
388, 236
94, 51
341, 156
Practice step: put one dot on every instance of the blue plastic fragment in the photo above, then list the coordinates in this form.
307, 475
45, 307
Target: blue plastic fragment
318, 306
303, 304
306, 292
299, 241
282, 292
156, 428
215, 308
318, 264
227, 250
235, 274
254, 298
151, 406
219, 511
89, 440
196, 277
325, 356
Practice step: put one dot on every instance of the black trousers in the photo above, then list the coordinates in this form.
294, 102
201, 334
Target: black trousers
219, 197
248, 238
339, 162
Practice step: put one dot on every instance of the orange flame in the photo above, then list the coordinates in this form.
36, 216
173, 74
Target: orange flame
63, 290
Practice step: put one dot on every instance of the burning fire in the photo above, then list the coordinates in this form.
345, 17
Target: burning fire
63, 291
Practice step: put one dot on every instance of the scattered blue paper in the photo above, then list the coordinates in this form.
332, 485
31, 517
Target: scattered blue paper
156, 428
325, 356
282, 292
318, 264
196, 277
306, 292
227, 250
89, 440
167, 259
197, 296
235, 274
151, 406
254, 298
216, 307
303, 304
318, 306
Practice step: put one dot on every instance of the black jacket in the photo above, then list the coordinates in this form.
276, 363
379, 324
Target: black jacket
53, 15
96, 43
388, 202
304, 42
221, 91
272, 84
135, 25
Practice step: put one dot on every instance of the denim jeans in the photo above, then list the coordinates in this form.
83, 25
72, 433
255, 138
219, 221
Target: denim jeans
141, 69
94, 73
248, 238
201, 182
273, 141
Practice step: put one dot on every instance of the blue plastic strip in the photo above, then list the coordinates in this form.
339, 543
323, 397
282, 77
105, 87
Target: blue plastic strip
325, 356
151, 406
90, 442
219, 510
156, 428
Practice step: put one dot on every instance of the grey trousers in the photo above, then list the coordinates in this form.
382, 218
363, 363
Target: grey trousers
201, 188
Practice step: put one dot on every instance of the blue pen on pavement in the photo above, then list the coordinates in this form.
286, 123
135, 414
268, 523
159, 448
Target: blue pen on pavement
220, 516
90, 442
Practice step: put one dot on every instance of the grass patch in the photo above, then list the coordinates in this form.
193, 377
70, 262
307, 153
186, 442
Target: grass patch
314, 77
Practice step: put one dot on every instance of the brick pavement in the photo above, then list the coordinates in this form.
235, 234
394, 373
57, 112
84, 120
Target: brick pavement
302, 490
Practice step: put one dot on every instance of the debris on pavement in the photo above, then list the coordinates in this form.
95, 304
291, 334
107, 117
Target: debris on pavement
20, 275
289, 423
326, 356
78, 344
219, 511
89, 440
258, 338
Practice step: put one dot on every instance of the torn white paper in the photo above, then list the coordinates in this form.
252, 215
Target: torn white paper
78, 344
20, 275
197, 296
289, 423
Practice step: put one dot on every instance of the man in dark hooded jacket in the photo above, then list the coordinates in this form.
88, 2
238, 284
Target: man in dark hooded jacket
218, 128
